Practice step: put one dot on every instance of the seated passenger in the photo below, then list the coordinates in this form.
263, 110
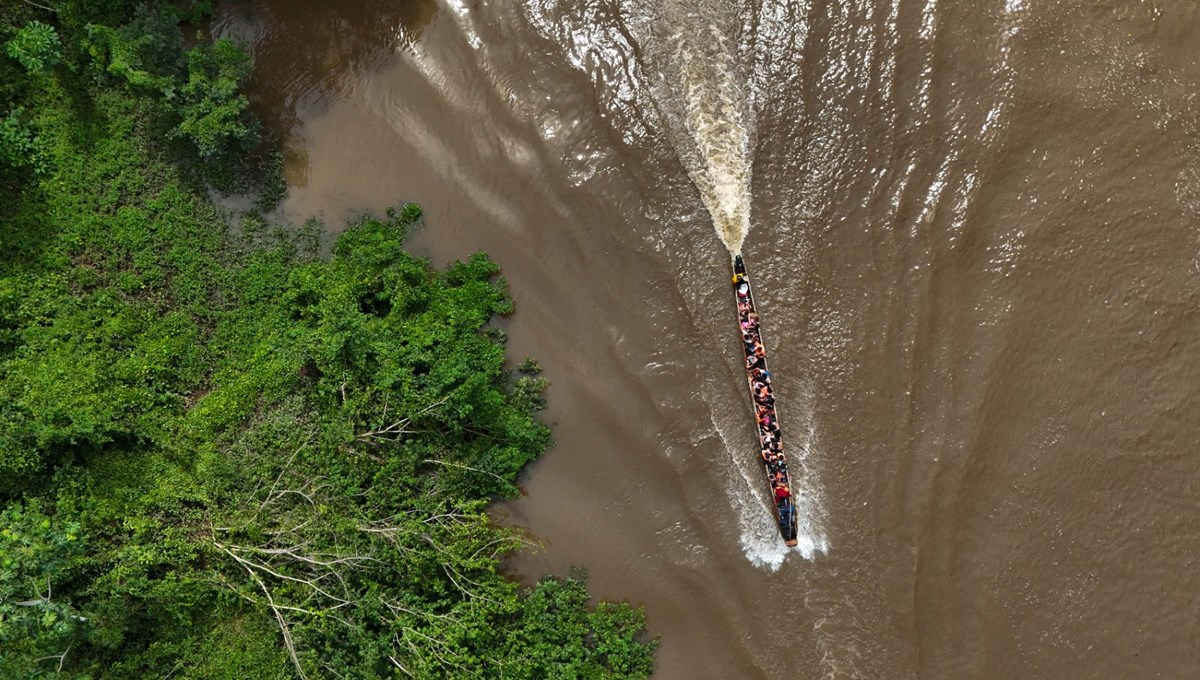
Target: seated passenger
782, 493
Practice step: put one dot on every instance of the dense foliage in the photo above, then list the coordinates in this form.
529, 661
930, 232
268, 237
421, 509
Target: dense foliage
222, 456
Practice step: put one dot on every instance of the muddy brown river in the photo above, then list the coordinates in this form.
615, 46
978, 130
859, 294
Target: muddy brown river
974, 229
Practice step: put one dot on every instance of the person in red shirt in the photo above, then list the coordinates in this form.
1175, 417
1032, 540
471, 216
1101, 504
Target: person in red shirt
782, 493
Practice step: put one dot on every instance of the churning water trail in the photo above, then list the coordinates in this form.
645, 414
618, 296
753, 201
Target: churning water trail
719, 121
703, 97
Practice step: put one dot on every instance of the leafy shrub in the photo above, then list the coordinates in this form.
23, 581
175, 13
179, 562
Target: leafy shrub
212, 108
16, 141
36, 47
37, 554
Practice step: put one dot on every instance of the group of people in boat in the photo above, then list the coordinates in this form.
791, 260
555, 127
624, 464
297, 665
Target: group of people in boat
769, 435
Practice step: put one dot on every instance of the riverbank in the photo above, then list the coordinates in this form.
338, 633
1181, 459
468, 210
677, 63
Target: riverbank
222, 454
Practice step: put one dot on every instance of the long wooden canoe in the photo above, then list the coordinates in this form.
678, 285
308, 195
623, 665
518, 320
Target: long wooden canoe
758, 377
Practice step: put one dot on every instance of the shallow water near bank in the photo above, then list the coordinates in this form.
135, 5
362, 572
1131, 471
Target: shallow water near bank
973, 232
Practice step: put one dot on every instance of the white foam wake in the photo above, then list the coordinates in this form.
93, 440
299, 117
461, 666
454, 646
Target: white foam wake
758, 531
704, 101
717, 117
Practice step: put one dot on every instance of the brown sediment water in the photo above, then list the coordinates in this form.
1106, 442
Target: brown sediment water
975, 234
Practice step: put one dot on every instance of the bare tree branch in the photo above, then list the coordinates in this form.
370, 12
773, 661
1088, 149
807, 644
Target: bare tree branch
433, 649
62, 658
52, 10
284, 469
400, 428
400, 666
283, 624
311, 583
467, 467
331, 670
397, 607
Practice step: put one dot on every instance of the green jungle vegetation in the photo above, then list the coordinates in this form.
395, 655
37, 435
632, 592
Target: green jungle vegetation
221, 454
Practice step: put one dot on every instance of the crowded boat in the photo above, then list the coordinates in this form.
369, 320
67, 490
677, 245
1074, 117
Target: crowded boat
770, 437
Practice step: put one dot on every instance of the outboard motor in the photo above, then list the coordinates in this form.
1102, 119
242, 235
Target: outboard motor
787, 519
